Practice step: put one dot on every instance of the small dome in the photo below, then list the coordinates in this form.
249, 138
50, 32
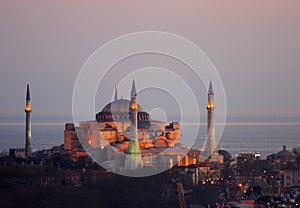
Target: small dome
226, 155
284, 154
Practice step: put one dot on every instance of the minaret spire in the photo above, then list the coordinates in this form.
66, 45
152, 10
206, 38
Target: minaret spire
28, 147
28, 92
210, 145
134, 158
133, 90
116, 92
210, 89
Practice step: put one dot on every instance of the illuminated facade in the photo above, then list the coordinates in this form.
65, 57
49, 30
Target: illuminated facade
112, 126
125, 127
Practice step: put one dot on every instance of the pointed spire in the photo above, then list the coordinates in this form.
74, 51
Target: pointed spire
116, 92
28, 92
220, 147
210, 89
133, 90
122, 97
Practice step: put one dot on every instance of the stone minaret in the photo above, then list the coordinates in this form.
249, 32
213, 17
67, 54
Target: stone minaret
116, 92
28, 147
134, 158
210, 146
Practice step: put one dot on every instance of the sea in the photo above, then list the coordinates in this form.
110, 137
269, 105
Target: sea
266, 138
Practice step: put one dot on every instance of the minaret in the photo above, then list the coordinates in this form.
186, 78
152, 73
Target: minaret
116, 92
28, 147
210, 146
133, 90
134, 158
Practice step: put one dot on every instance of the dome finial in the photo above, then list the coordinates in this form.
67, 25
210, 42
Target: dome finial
122, 97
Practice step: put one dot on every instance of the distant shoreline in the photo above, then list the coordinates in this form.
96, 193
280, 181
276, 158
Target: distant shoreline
185, 124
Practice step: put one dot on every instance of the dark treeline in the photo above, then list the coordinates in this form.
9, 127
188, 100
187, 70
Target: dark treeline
107, 191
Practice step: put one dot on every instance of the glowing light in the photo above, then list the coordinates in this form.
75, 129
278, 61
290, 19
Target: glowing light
240, 185
28, 107
133, 106
210, 105
90, 142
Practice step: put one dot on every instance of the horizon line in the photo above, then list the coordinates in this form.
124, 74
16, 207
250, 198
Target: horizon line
185, 124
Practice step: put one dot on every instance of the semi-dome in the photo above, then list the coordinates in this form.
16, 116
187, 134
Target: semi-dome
118, 110
226, 155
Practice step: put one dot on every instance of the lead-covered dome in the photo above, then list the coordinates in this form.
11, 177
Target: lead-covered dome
284, 155
119, 106
118, 110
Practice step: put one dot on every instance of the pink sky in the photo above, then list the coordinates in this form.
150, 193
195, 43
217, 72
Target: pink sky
254, 44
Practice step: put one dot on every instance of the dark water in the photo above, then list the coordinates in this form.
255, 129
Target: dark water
266, 138
44, 135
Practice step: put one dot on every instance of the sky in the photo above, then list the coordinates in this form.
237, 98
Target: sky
254, 45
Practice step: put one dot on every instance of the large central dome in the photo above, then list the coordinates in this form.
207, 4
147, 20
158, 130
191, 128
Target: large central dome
118, 110
119, 106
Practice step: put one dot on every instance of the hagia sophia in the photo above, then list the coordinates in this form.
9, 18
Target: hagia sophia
123, 129
123, 136
114, 127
